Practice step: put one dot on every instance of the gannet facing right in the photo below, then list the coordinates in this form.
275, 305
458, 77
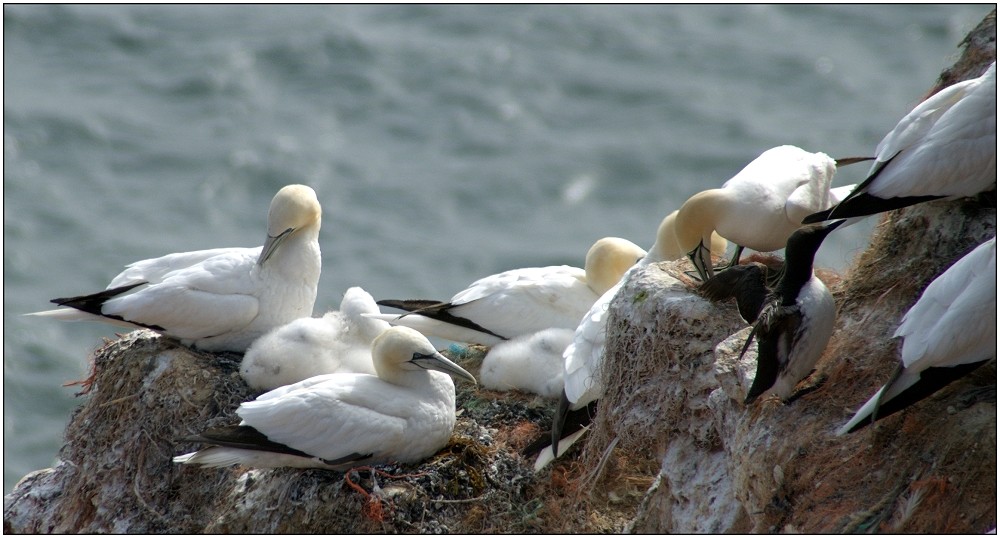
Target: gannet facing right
795, 327
946, 147
339, 342
520, 301
758, 208
337, 421
950, 331
218, 299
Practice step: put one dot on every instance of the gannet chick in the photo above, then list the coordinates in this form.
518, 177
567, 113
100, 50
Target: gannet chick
219, 299
405, 413
339, 342
950, 331
759, 207
582, 358
520, 301
529, 363
795, 327
946, 147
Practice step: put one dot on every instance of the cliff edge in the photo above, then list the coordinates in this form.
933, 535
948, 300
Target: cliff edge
672, 448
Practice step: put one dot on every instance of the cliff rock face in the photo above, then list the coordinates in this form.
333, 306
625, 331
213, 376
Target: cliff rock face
675, 386
672, 448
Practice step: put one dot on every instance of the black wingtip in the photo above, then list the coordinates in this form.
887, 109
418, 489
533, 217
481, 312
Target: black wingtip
818, 216
845, 161
864, 204
245, 437
566, 422
92, 303
931, 380
410, 305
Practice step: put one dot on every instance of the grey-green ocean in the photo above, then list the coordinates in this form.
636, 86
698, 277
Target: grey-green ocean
445, 142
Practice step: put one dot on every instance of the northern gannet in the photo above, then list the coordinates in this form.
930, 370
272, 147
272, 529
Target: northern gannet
759, 207
946, 147
338, 421
218, 299
950, 331
520, 301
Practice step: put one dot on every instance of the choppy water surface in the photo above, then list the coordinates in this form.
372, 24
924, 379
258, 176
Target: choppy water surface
445, 143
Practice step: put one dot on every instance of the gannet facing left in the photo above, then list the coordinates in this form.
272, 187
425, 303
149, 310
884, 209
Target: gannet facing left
218, 299
950, 331
796, 325
759, 207
337, 421
339, 342
520, 301
946, 147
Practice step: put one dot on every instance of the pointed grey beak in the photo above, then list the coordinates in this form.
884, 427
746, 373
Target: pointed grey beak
441, 363
271, 245
701, 259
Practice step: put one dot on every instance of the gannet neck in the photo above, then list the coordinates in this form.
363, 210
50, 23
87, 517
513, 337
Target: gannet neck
666, 246
294, 213
402, 356
696, 219
608, 259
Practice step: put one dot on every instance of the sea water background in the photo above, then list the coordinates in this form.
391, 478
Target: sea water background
445, 143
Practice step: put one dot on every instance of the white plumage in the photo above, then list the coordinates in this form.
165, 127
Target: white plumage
795, 327
946, 147
530, 363
582, 357
336, 421
949, 331
520, 301
760, 207
339, 342
219, 299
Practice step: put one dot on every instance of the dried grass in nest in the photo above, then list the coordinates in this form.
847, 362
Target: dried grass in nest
656, 363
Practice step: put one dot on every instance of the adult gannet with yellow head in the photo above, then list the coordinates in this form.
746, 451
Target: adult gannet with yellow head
758, 208
520, 301
218, 299
405, 413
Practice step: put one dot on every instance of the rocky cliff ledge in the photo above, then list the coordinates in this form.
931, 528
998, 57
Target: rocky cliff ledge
672, 449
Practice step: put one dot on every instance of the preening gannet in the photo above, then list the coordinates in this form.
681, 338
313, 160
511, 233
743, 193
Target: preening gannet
759, 207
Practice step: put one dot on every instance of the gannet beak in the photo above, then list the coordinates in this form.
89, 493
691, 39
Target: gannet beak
272, 244
698, 259
439, 362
